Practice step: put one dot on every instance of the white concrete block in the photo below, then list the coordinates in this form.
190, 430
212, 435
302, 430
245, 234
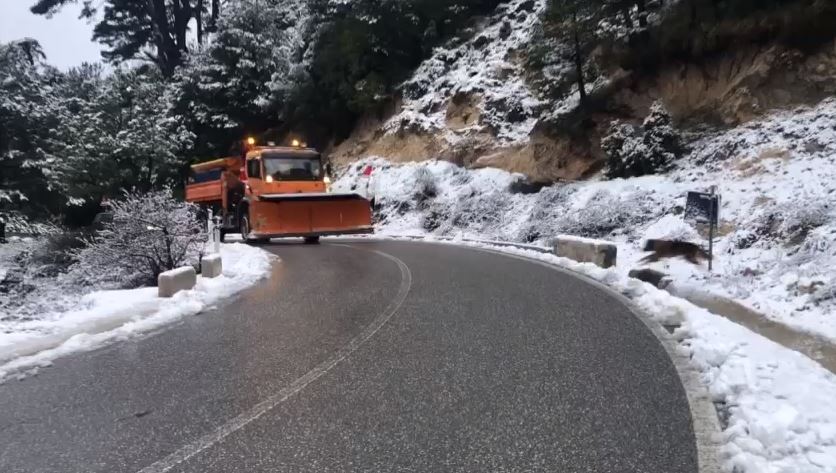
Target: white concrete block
211, 266
176, 280
586, 250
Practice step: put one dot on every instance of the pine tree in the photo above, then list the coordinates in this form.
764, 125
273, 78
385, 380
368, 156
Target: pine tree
241, 82
576, 22
26, 124
636, 151
154, 30
122, 137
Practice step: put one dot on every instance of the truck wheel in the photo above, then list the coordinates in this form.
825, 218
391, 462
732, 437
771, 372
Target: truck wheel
245, 231
244, 227
223, 235
313, 240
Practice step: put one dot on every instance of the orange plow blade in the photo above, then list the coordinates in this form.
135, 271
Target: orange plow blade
299, 215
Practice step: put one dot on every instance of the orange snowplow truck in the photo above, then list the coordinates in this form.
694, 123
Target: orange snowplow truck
276, 192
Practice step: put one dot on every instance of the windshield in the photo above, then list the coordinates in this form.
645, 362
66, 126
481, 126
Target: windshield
292, 168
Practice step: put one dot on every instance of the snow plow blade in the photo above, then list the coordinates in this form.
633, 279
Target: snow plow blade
305, 215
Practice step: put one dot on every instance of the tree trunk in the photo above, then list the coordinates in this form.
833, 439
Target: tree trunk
625, 12
168, 55
182, 15
578, 58
199, 19
216, 11
640, 4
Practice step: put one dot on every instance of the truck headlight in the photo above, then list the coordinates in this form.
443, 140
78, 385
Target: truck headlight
327, 180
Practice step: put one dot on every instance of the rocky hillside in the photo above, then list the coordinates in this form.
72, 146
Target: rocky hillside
499, 95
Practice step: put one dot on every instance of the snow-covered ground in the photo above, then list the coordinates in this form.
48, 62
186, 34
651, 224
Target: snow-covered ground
87, 321
776, 248
484, 69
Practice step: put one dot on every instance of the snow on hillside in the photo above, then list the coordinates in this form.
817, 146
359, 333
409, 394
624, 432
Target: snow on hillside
776, 249
482, 67
71, 321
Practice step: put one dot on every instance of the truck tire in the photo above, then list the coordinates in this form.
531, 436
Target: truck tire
244, 225
312, 240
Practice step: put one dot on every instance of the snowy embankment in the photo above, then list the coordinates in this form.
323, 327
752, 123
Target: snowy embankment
101, 317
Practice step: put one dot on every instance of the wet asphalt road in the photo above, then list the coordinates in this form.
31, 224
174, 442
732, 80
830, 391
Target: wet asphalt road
431, 359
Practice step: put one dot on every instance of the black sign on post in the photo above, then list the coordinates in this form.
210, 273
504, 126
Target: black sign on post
704, 207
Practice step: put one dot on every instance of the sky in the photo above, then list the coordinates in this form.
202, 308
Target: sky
65, 38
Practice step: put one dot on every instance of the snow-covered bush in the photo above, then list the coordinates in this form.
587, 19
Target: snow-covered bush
791, 222
607, 212
145, 235
549, 207
481, 213
632, 151
425, 185
18, 223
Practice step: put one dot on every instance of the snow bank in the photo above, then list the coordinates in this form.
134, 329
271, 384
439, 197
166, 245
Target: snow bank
777, 178
104, 316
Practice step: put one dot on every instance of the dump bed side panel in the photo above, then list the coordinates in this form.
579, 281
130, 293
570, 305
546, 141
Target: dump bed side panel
205, 192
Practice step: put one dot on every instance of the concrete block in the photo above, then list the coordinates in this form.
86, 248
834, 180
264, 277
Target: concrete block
211, 266
176, 280
586, 250
651, 276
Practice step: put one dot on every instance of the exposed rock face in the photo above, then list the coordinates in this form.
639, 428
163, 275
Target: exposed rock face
738, 86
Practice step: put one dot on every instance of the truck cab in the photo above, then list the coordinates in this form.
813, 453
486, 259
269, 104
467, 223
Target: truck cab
285, 171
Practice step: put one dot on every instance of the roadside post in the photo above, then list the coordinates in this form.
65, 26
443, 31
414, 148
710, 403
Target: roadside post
216, 233
2, 230
704, 207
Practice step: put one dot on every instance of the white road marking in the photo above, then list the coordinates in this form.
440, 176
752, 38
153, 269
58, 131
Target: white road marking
190, 450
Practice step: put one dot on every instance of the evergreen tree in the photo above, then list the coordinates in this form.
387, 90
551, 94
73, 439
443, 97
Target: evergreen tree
124, 137
241, 82
575, 23
27, 120
155, 30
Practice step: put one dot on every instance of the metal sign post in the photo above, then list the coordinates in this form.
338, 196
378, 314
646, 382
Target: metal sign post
704, 207
712, 221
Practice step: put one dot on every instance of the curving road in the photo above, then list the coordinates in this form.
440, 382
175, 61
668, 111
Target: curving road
383, 357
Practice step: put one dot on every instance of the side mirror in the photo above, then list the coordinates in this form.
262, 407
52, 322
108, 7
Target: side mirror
329, 169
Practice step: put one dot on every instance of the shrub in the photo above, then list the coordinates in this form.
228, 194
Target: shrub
147, 235
606, 213
425, 185
637, 151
